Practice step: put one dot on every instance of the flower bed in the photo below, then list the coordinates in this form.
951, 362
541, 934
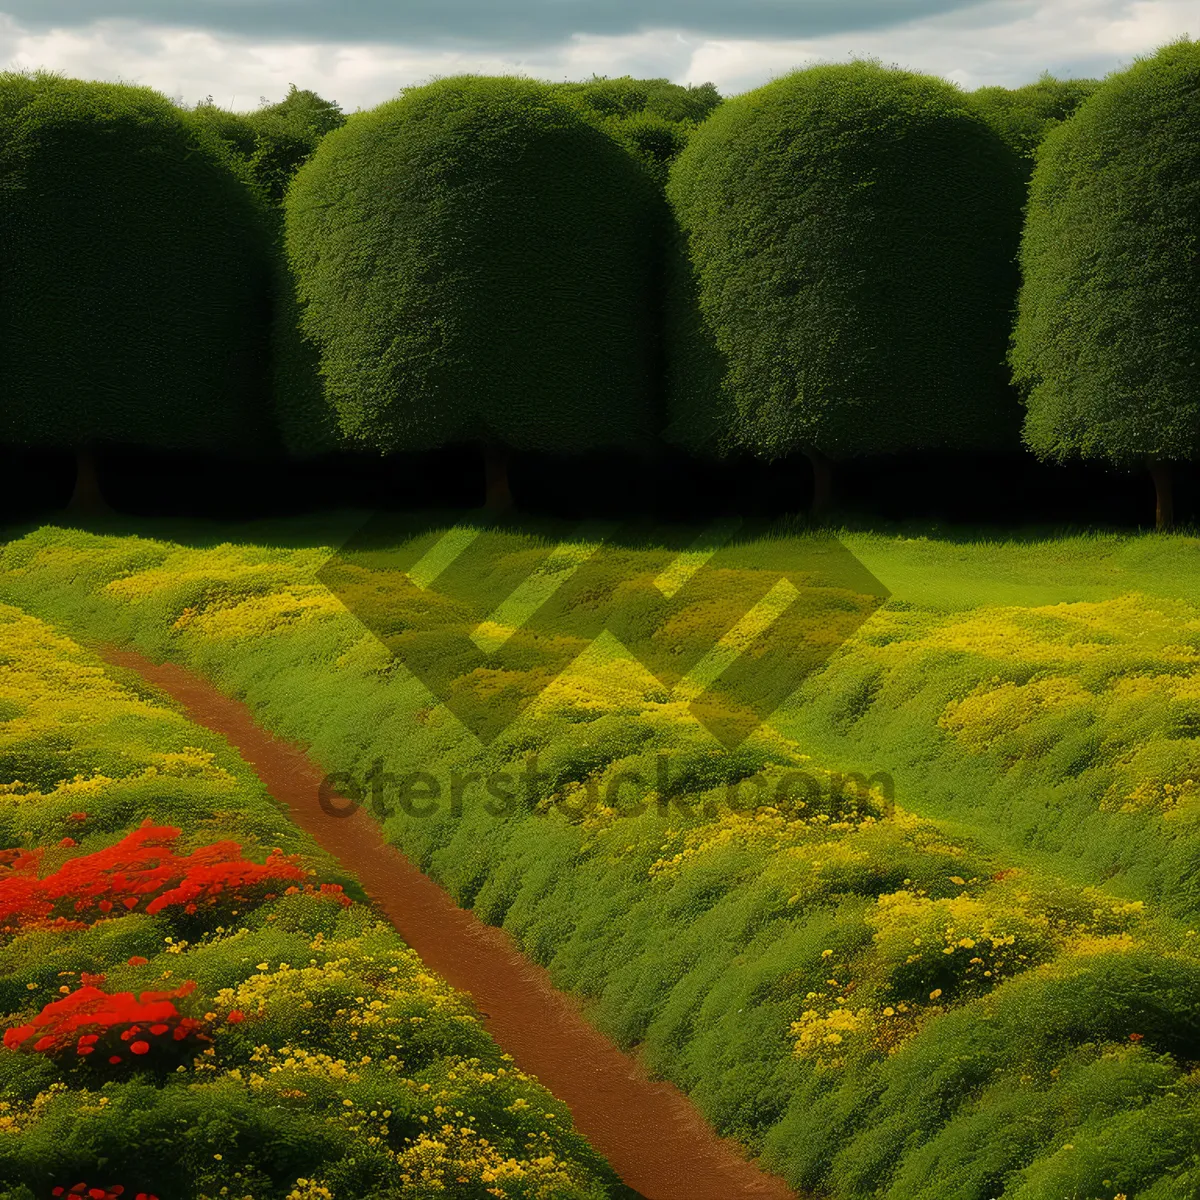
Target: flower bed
193, 1016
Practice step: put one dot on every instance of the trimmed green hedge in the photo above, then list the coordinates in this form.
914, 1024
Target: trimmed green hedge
1107, 337
475, 262
274, 142
851, 232
134, 282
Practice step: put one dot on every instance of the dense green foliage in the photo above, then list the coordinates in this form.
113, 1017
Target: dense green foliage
475, 261
880, 1003
274, 142
304, 109
328, 1057
306, 419
1107, 335
281, 148
628, 97
134, 274
653, 117
851, 230
232, 128
1023, 116
275, 139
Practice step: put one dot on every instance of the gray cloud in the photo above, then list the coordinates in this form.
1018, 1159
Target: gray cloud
1007, 42
529, 24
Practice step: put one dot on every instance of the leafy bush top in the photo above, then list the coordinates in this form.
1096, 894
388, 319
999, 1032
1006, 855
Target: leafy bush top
1107, 337
133, 278
849, 234
1023, 116
473, 261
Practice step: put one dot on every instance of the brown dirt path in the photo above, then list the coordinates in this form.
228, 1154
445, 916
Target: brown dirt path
648, 1130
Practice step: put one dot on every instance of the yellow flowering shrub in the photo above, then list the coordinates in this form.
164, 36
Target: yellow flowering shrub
260, 615
764, 829
455, 1157
1047, 635
928, 953
310, 1189
995, 710
820, 1035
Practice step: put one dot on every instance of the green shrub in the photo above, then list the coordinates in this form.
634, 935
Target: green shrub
1023, 116
519, 281
134, 283
1108, 324
850, 231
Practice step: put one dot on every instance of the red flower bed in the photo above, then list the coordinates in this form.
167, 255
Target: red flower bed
112, 1192
118, 1028
142, 871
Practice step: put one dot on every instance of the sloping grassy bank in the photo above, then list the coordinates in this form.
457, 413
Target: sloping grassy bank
195, 1005
1042, 694
873, 1000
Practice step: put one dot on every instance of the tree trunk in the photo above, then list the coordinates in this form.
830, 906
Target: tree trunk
499, 498
822, 482
87, 500
1164, 511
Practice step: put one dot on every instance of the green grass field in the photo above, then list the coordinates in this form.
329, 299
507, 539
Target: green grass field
989, 988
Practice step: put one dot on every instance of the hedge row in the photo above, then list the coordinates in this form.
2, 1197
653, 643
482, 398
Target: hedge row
825, 264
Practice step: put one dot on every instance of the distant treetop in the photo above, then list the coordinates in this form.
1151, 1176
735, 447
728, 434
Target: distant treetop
1023, 116
626, 96
304, 107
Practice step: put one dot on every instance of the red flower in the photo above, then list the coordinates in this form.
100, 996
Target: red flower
143, 866
1136, 1037
138, 961
94, 1193
67, 842
90, 1016
80, 816
236, 1016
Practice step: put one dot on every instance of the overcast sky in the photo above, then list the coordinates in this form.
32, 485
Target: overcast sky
362, 52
